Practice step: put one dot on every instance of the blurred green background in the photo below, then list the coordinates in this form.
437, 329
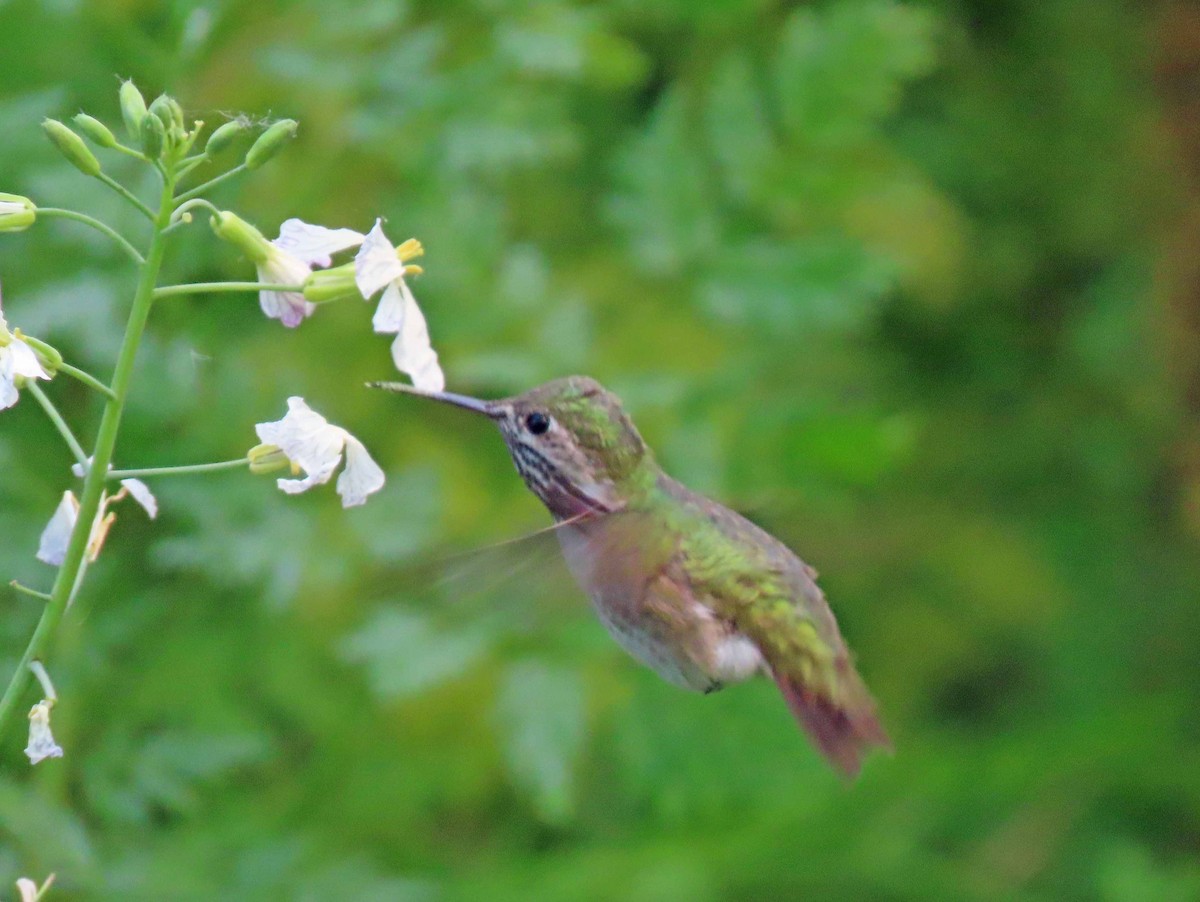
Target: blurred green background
913, 284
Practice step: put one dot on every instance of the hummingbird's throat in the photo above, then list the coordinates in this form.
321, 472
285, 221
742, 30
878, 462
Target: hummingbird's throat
564, 496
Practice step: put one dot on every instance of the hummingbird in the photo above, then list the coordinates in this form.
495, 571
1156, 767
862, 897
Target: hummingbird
685, 585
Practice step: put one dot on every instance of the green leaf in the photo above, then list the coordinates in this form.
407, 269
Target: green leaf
404, 654
540, 714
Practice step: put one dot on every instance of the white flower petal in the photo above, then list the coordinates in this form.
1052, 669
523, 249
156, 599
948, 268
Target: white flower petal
308, 440
25, 361
313, 244
361, 477
140, 492
52, 548
8, 390
17, 359
41, 742
8, 208
376, 263
289, 307
412, 352
389, 315
27, 890
296, 486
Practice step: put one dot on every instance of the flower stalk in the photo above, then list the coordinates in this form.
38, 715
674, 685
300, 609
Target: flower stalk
96, 474
295, 272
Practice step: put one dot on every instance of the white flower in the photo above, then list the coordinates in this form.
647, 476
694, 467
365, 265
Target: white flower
376, 265
17, 358
135, 488
41, 742
316, 446
288, 260
30, 891
299, 247
52, 547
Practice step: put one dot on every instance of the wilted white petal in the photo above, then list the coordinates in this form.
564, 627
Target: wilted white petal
376, 263
361, 477
52, 548
313, 244
140, 492
25, 361
308, 440
41, 742
412, 352
389, 315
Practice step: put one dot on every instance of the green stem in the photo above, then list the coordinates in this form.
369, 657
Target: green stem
25, 590
186, 167
136, 154
57, 419
95, 477
186, 470
99, 226
177, 215
212, 183
86, 378
205, 287
126, 193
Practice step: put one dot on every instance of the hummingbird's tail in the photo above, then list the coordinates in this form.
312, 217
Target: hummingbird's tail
844, 729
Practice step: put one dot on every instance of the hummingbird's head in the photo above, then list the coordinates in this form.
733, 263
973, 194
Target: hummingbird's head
570, 439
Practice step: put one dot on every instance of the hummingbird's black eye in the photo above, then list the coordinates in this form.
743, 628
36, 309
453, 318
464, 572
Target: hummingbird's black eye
537, 422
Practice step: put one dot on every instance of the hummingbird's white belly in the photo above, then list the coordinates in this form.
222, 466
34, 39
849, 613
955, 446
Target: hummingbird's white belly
678, 638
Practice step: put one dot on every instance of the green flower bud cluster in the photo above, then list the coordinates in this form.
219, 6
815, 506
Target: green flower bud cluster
159, 132
159, 128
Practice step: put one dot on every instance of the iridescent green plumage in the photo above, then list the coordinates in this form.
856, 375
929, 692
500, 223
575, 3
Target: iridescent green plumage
688, 587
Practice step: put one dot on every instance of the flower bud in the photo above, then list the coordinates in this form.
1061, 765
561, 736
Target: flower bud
96, 130
223, 136
153, 136
271, 142
133, 108
331, 284
232, 228
16, 213
71, 146
267, 459
168, 111
176, 114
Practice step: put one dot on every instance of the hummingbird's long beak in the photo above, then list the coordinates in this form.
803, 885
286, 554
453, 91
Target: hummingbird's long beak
464, 401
